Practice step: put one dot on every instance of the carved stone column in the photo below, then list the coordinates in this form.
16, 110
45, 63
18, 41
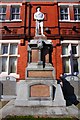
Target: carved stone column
29, 54
40, 62
40, 46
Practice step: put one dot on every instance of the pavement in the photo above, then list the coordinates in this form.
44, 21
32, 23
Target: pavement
11, 109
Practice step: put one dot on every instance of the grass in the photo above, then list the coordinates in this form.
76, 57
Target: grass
33, 118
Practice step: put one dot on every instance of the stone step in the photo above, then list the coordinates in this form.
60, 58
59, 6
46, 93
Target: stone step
39, 93
34, 70
40, 74
39, 78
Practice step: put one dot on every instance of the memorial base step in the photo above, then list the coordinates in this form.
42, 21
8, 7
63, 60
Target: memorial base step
39, 93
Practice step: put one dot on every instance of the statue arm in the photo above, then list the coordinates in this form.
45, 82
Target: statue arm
38, 18
35, 17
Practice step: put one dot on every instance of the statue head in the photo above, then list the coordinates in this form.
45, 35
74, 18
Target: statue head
38, 8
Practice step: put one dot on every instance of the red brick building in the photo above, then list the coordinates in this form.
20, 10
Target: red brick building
17, 28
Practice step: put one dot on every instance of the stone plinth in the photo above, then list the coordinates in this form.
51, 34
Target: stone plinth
37, 71
39, 74
40, 37
40, 87
54, 97
8, 87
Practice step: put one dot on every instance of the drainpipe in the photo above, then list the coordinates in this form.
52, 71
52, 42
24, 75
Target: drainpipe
24, 7
25, 19
29, 21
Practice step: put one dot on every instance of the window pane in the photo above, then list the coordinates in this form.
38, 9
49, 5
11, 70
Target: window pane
13, 17
75, 10
0, 17
62, 17
4, 48
17, 10
4, 9
13, 9
79, 17
13, 49
75, 65
0, 10
3, 17
79, 10
66, 10
17, 16
76, 17
65, 50
66, 65
4, 64
62, 10
12, 64
74, 49
66, 17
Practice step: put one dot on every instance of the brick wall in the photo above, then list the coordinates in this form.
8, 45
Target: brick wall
22, 60
25, 29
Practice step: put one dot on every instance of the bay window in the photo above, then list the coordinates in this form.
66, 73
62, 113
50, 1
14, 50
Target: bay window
8, 58
70, 58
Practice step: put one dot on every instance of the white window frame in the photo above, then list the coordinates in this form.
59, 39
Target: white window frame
78, 14
69, 4
15, 6
8, 55
65, 6
71, 42
11, 4
2, 12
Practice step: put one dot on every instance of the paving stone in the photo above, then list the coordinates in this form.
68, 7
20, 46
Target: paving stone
11, 109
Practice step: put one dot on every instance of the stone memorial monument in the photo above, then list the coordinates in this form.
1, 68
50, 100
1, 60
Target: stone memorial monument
39, 17
40, 87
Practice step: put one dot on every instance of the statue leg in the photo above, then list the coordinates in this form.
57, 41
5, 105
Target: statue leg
41, 25
37, 28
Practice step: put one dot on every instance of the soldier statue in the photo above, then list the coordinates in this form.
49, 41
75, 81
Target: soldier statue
39, 17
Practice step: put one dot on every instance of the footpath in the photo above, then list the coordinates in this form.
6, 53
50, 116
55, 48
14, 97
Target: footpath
11, 109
